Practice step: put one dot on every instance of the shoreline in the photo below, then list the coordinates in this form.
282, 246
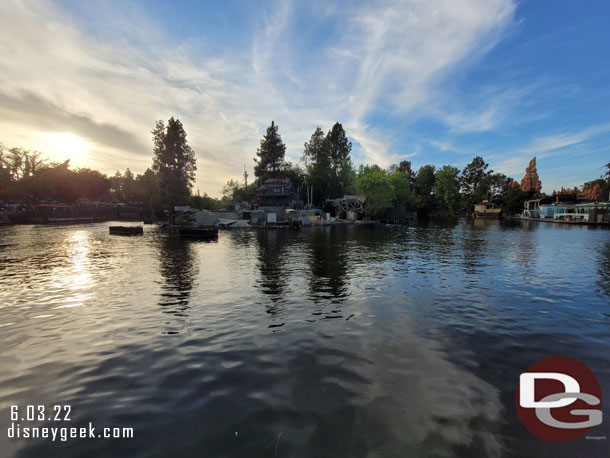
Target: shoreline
558, 221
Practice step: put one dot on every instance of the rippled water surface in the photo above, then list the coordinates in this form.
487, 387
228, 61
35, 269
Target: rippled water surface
324, 342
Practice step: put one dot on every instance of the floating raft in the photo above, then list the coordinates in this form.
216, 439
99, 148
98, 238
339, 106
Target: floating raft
198, 232
126, 230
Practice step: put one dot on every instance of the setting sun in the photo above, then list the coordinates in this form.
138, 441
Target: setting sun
69, 145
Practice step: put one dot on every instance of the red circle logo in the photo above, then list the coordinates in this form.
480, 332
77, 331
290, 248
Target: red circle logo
559, 399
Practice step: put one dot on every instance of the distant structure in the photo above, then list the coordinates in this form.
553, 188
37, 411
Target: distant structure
593, 194
348, 207
530, 181
278, 193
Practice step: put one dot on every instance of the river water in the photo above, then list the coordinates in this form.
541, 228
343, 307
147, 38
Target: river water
324, 342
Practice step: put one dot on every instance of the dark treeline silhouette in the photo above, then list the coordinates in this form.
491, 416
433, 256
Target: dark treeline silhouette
28, 177
326, 167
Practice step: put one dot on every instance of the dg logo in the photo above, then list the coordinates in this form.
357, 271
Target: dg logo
559, 399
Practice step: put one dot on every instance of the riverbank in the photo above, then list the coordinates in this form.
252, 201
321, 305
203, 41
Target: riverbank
558, 221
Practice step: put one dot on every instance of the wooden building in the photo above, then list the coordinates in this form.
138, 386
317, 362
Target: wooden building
278, 193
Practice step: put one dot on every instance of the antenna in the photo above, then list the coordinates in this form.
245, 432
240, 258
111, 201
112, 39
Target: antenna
245, 176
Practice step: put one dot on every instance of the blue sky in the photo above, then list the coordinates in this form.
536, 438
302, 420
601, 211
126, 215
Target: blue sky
436, 82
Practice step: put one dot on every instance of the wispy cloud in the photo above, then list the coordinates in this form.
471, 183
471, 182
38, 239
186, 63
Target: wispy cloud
562, 140
109, 79
484, 111
553, 153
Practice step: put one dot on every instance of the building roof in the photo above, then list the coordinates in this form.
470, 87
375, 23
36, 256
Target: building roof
276, 187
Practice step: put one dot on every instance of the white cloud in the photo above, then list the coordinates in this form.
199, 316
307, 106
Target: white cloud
110, 82
551, 150
485, 111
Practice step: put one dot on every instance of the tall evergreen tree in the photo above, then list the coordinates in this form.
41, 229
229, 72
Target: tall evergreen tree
316, 153
271, 153
174, 161
328, 164
316, 156
338, 146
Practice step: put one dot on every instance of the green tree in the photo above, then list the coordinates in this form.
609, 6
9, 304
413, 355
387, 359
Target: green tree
116, 184
315, 152
492, 186
204, 202
424, 188
174, 161
18, 163
343, 175
401, 187
338, 145
328, 163
472, 177
147, 186
233, 192
245, 194
346, 179
270, 155
297, 176
373, 184
7, 187
513, 199
405, 167
316, 155
129, 186
55, 182
447, 188
228, 190
87, 183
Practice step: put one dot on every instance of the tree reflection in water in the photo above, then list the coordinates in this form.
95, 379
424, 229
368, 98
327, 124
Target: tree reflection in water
272, 261
178, 267
474, 244
328, 266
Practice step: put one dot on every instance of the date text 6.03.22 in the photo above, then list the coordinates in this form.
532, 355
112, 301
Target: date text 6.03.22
40, 413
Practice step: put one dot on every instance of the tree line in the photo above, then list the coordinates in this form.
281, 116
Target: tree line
326, 168
27, 176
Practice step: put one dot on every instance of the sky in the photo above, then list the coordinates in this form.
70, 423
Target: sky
434, 82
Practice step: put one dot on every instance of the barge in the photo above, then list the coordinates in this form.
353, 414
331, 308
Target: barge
126, 230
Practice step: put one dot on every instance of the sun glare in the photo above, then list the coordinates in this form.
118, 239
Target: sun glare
69, 145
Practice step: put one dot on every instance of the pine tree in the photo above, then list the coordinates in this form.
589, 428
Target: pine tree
174, 161
316, 155
271, 152
328, 163
338, 146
